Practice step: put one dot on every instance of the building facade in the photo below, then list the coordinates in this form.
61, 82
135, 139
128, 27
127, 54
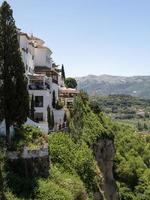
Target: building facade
44, 81
42, 77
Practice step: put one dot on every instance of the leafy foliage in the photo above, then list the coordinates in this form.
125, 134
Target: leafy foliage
86, 125
28, 136
72, 157
70, 82
132, 165
59, 105
61, 185
10, 196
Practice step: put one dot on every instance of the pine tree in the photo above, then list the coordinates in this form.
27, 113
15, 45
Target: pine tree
63, 73
32, 108
14, 100
54, 99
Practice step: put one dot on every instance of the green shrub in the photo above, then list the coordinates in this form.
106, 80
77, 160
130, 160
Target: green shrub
61, 185
86, 126
28, 136
132, 163
10, 196
73, 157
68, 181
59, 105
49, 190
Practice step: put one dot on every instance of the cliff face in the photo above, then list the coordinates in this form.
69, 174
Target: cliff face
31, 162
104, 153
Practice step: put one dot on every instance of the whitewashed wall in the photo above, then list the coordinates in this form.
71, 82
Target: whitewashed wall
3, 129
59, 116
47, 101
27, 53
42, 57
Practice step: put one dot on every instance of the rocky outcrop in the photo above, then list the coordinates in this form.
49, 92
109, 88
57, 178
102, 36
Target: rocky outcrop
104, 152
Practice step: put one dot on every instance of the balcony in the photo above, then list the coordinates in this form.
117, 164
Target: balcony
35, 86
55, 81
39, 82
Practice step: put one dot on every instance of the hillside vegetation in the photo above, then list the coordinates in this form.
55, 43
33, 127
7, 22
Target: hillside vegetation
125, 109
74, 173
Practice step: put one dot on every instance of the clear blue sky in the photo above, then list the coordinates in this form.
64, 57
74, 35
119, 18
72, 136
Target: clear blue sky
91, 36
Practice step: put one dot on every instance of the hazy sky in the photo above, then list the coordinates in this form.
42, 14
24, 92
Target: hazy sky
91, 36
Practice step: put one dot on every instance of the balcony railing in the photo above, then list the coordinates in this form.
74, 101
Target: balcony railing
38, 87
55, 81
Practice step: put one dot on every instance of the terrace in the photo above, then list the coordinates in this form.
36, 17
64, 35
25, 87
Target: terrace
49, 72
38, 82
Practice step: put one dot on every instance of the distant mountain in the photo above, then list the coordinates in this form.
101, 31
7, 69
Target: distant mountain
105, 85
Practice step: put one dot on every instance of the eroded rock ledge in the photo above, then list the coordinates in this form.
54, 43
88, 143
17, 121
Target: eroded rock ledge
104, 152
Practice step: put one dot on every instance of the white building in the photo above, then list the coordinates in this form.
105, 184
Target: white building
67, 96
40, 87
27, 52
42, 77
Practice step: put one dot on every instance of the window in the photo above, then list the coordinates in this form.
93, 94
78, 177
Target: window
38, 117
38, 101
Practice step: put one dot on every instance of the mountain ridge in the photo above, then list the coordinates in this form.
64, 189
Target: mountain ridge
138, 86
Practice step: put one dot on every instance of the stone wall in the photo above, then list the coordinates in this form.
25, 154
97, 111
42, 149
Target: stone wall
30, 162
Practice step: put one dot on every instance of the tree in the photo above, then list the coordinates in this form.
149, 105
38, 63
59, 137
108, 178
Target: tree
84, 96
65, 117
14, 101
145, 126
54, 99
70, 82
1, 176
146, 115
95, 107
139, 126
32, 108
63, 73
49, 118
52, 122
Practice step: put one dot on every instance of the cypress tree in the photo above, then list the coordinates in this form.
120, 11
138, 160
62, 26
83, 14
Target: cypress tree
32, 108
13, 83
54, 99
49, 119
52, 122
139, 126
63, 73
145, 126
65, 117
